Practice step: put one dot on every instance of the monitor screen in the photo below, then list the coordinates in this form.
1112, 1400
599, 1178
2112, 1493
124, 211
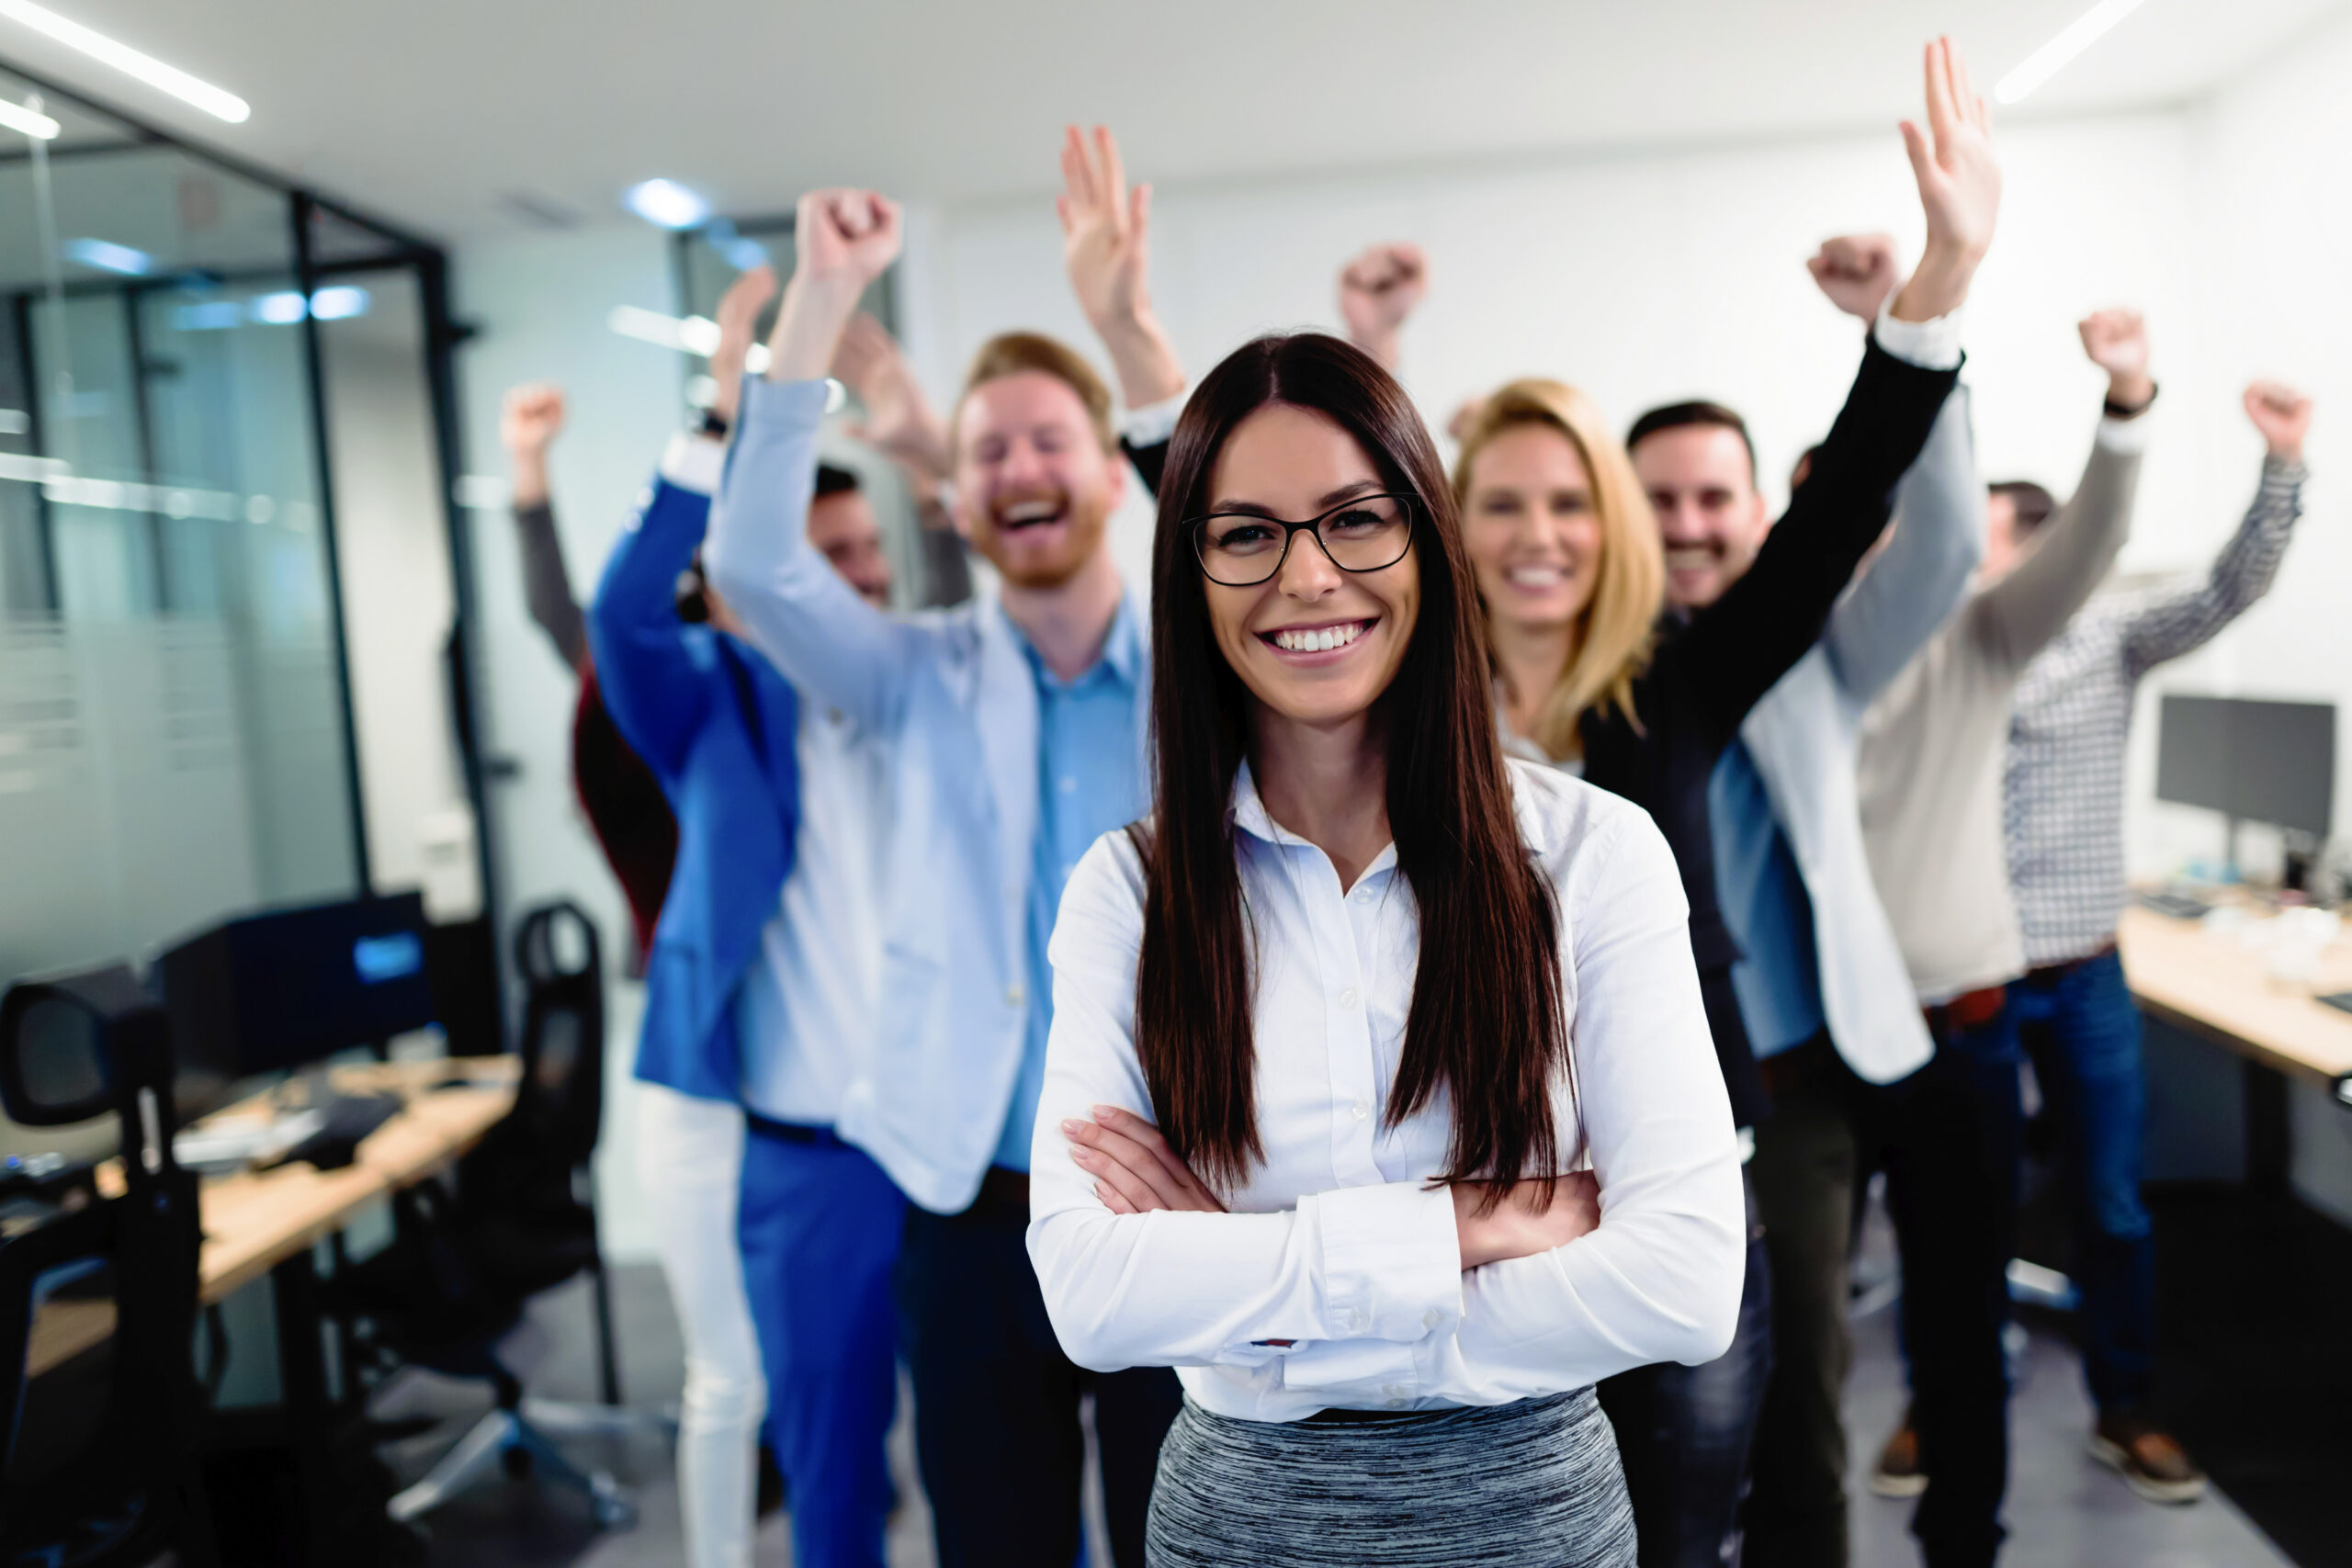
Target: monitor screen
293, 987
2257, 762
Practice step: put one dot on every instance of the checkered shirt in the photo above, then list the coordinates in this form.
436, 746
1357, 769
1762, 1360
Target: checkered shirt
2063, 795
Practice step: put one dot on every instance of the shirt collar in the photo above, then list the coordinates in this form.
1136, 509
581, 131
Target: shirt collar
1123, 650
1248, 812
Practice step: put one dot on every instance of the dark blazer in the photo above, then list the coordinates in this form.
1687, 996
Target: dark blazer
1710, 668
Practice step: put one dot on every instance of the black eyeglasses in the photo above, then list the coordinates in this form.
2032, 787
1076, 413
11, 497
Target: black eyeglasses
1241, 550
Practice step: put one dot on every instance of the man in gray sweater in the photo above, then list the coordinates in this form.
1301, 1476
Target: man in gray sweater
1929, 775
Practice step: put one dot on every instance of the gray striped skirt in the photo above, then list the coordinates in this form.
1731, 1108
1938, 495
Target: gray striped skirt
1530, 1485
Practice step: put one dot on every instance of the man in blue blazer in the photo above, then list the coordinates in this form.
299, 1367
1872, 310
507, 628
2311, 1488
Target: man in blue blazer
778, 1237
1016, 729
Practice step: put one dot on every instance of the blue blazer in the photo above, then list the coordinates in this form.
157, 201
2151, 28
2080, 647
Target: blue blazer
718, 726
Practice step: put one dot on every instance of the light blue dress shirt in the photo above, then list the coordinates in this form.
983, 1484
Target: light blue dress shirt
1089, 783
1764, 902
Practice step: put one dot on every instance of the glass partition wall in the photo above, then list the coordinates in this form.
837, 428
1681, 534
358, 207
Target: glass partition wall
177, 738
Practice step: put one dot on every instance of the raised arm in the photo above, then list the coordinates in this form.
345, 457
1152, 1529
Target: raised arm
1737, 648
1106, 245
2179, 623
527, 425
648, 665
2015, 618
1379, 291
901, 424
794, 606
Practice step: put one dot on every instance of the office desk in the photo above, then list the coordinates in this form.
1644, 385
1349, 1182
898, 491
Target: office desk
253, 1221
2212, 987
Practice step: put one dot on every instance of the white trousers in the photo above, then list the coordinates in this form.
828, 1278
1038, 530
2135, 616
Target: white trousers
690, 1160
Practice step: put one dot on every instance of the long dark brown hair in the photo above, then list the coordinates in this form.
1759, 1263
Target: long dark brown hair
1486, 1023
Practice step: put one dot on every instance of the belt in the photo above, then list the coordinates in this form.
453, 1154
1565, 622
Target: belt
2045, 976
1970, 1009
794, 1132
1785, 1070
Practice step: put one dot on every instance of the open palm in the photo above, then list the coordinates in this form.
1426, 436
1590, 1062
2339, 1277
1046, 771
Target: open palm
1106, 229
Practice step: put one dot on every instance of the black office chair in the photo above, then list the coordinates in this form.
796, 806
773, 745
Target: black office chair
518, 1221
98, 1464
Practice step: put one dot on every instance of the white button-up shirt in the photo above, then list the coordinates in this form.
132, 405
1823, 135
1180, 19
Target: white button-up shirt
1336, 1243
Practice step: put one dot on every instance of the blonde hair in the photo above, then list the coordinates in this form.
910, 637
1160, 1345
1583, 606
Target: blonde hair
1010, 354
1619, 623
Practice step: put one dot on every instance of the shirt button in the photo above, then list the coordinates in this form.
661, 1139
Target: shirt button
1355, 1318
1392, 1391
1013, 996
1363, 1108
1431, 1318
1348, 997
1395, 1404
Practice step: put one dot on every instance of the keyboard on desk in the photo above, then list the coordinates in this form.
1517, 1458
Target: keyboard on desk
2179, 906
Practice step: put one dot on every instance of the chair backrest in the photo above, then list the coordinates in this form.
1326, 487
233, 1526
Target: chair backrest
561, 1102
98, 1297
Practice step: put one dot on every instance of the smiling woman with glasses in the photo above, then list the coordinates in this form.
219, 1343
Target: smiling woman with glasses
1379, 1099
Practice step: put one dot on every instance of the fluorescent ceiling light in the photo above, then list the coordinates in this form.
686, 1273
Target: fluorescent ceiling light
340, 303
2052, 57
32, 122
664, 202
108, 256
212, 100
697, 336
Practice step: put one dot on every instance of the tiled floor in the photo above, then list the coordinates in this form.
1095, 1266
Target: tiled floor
2065, 1510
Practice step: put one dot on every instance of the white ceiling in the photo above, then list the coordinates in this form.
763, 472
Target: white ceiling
428, 110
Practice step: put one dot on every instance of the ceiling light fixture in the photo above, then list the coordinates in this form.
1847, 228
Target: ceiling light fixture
32, 122
662, 202
212, 100
108, 256
2052, 57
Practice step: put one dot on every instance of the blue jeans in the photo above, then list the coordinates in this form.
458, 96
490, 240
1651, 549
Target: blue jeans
2083, 1030
1683, 1433
819, 1226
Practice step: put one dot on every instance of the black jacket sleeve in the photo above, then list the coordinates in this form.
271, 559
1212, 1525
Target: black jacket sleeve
1151, 461
1734, 651
545, 586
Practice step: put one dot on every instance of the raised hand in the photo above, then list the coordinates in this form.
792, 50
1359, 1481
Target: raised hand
1378, 290
899, 421
1106, 245
738, 316
1134, 1171
1534, 1216
2283, 415
527, 424
1856, 271
2116, 342
844, 239
1960, 186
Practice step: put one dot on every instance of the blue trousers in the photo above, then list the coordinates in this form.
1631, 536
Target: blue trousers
2082, 1031
819, 1226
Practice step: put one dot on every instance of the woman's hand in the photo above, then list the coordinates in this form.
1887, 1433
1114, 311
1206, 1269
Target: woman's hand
1523, 1223
1134, 1171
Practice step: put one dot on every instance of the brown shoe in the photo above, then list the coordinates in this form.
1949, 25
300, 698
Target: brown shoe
2150, 1459
1899, 1473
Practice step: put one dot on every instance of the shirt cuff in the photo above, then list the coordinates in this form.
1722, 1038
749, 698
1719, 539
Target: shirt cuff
2124, 437
1154, 424
692, 461
1932, 344
1392, 1259
2275, 471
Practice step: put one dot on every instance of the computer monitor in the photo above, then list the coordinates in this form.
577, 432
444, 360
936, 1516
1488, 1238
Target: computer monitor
2251, 761
289, 987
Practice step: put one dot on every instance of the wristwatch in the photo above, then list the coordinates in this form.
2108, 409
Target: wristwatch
2125, 411
713, 424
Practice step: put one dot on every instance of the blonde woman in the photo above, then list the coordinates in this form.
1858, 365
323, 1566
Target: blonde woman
1589, 677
